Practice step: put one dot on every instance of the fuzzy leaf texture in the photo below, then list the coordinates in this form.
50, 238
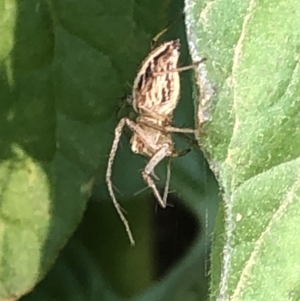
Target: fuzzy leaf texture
64, 65
253, 142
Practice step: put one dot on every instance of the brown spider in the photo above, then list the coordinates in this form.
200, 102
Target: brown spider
155, 95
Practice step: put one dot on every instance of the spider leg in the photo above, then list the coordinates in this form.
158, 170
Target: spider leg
167, 185
118, 132
162, 32
149, 170
184, 68
172, 129
153, 162
112, 154
169, 129
157, 37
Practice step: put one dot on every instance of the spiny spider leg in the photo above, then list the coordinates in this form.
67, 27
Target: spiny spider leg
153, 162
112, 154
168, 177
166, 190
184, 68
171, 129
157, 37
118, 132
162, 32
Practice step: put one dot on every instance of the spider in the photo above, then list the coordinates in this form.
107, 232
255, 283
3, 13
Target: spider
155, 95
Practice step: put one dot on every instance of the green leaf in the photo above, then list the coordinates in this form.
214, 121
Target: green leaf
253, 142
63, 67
